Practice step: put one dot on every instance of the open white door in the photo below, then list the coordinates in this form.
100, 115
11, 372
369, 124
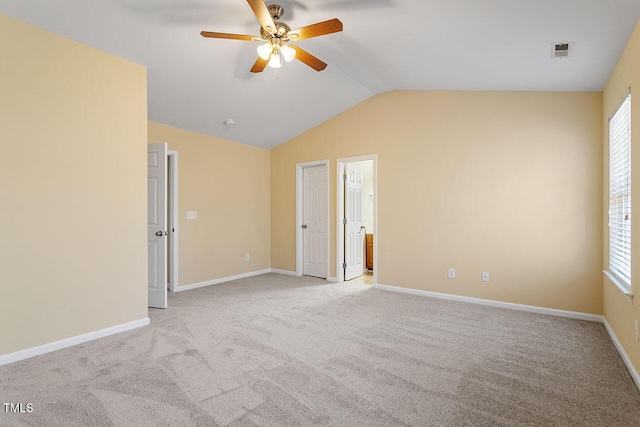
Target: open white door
353, 247
157, 223
314, 220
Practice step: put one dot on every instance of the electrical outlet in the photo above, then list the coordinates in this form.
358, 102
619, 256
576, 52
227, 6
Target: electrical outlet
485, 276
246, 257
451, 274
192, 214
637, 331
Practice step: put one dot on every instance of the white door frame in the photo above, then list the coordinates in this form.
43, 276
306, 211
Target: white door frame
340, 214
299, 214
172, 228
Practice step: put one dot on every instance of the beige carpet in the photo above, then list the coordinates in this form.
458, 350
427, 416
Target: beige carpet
283, 351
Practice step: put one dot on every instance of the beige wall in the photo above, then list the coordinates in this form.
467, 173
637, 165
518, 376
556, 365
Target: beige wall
620, 312
509, 183
228, 185
72, 188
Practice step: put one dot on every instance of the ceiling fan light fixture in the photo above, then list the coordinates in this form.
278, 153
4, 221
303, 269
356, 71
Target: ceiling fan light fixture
288, 53
275, 62
264, 51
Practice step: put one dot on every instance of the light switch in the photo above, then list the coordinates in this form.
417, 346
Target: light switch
192, 214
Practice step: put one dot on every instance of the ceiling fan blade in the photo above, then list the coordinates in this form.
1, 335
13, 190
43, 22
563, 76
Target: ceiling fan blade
259, 66
230, 36
304, 56
314, 30
263, 15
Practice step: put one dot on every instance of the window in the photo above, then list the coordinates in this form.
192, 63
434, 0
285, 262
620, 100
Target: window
620, 194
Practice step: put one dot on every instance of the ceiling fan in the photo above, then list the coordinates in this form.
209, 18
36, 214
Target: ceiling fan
276, 34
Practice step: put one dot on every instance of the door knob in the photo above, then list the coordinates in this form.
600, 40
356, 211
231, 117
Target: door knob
159, 233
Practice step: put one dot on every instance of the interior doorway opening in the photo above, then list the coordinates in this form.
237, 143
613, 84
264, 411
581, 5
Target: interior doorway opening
357, 242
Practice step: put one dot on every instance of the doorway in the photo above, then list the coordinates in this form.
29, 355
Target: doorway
357, 236
312, 219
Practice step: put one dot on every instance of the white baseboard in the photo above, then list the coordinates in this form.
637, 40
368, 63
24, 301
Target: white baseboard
625, 357
222, 280
332, 279
71, 341
500, 304
285, 272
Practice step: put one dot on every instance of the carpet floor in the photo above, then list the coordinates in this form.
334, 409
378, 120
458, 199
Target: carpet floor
277, 350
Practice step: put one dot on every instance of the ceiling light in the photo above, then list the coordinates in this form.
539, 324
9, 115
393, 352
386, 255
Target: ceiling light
264, 51
274, 62
288, 53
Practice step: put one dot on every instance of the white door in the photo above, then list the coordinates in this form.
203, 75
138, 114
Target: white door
157, 223
314, 221
353, 246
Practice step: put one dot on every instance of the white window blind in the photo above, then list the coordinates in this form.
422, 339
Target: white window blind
620, 193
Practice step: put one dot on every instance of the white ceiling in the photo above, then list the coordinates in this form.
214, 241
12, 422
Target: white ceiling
197, 83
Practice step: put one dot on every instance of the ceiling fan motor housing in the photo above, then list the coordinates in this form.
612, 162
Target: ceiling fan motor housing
282, 30
276, 11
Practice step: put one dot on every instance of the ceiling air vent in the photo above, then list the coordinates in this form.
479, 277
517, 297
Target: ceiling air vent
562, 49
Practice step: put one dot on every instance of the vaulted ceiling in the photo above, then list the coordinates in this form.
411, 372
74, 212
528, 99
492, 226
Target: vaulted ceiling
196, 83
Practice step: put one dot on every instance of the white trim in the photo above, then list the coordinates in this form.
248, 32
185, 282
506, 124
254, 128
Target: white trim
332, 280
491, 303
625, 357
172, 256
222, 280
340, 209
285, 272
299, 207
71, 341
